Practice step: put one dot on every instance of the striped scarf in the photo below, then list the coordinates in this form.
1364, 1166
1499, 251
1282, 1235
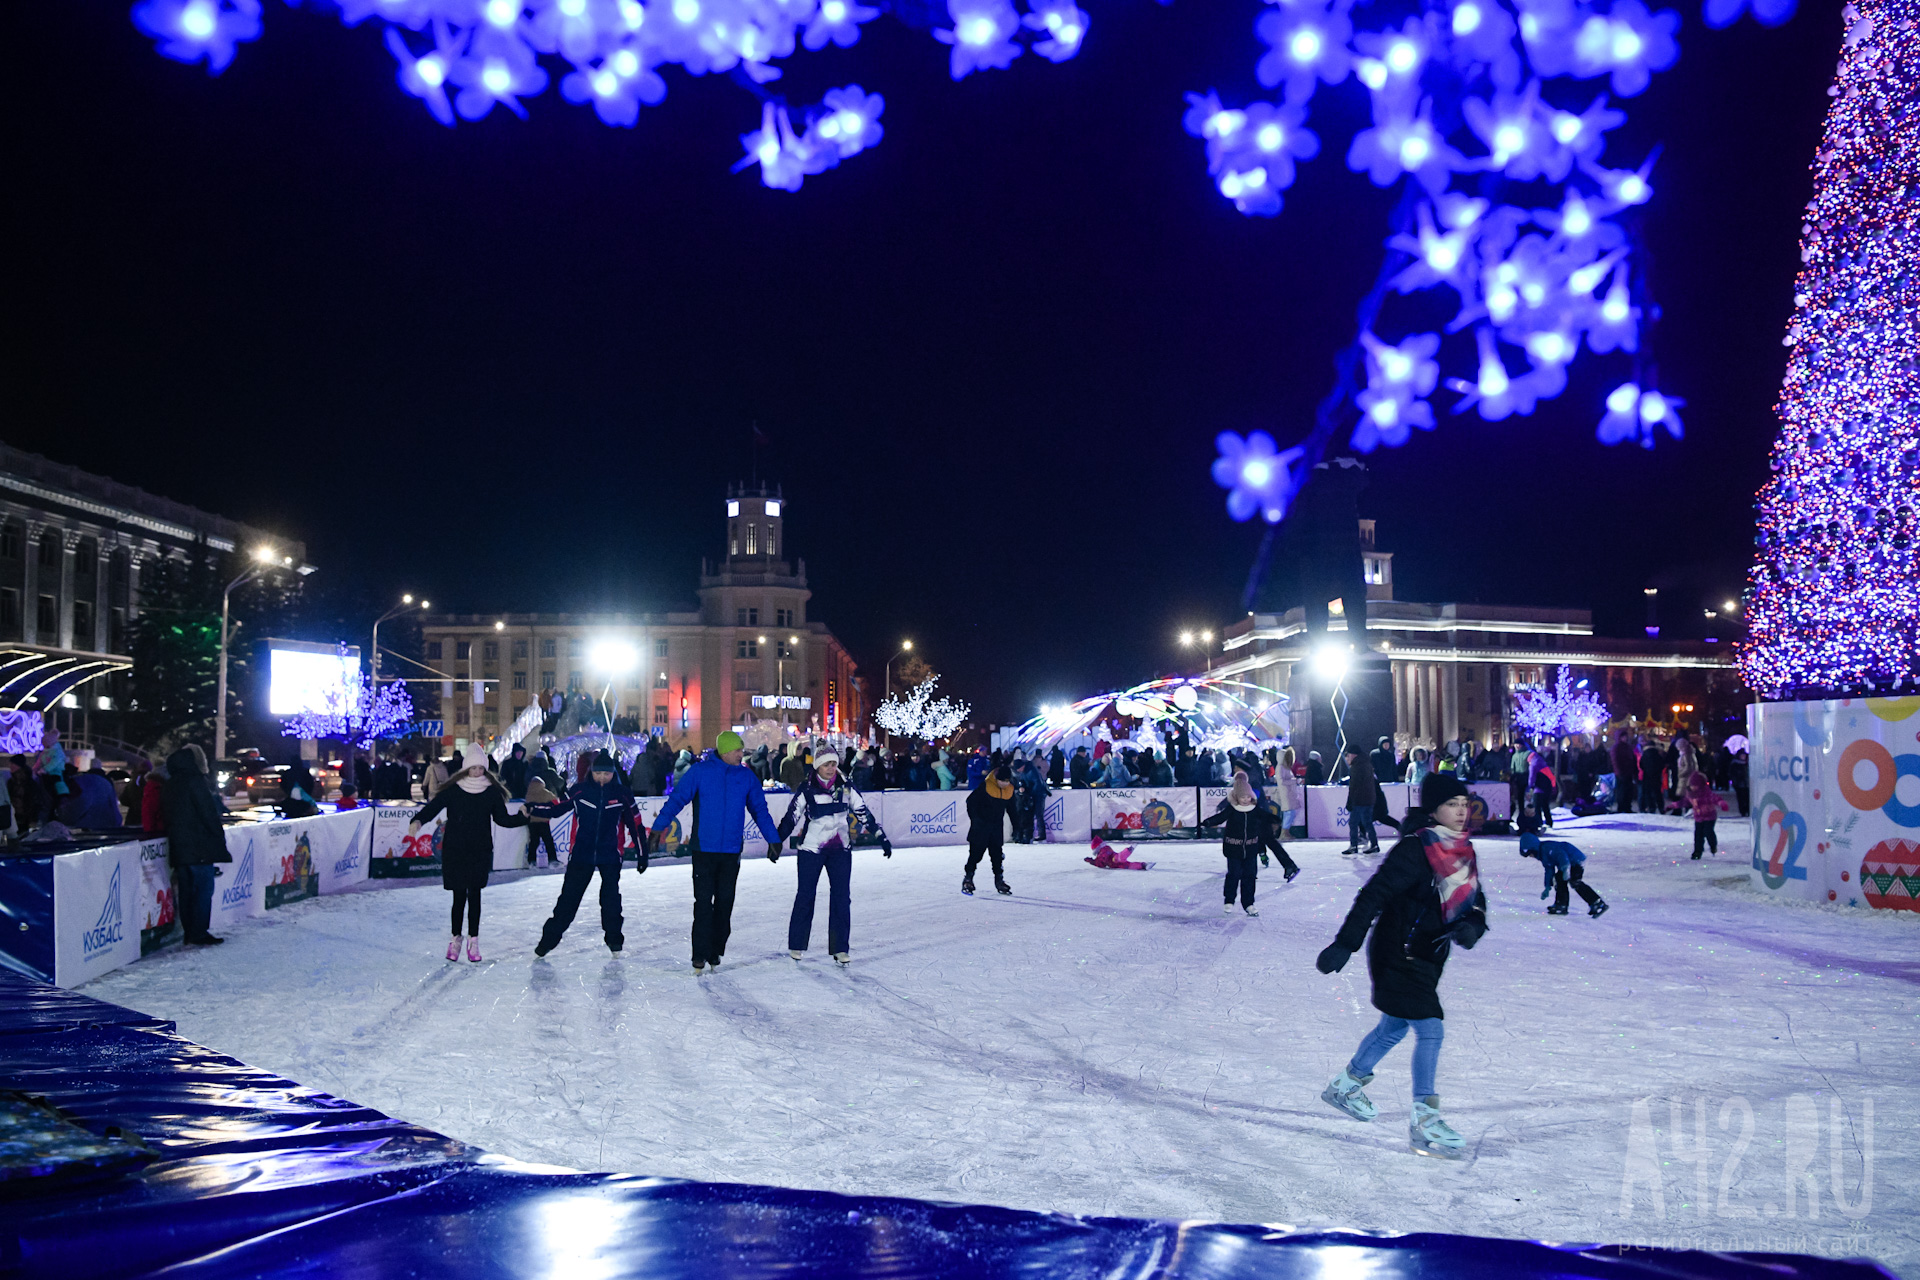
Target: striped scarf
1450, 854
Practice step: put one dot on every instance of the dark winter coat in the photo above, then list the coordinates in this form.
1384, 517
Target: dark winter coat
987, 807
1361, 784
466, 849
513, 776
1078, 769
598, 815
1316, 774
1411, 939
1246, 832
1381, 758
195, 835
644, 778
1626, 767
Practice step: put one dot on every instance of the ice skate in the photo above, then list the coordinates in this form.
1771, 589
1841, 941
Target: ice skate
1343, 1093
966, 886
1599, 907
699, 969
616, 945
1556, 910
795, 954
473, 950
1252, 910
453, 948
1001, 886
1226, 908
1288, 878
843, 958
1429, 1135
540, 951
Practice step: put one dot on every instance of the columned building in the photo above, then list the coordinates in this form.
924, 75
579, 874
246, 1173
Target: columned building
748, 653
73, 550
1455, 667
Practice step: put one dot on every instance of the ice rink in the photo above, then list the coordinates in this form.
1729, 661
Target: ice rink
1107, 1042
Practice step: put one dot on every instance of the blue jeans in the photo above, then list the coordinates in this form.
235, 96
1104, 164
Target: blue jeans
193, 901
1360, 826
1428, 1033
837, 862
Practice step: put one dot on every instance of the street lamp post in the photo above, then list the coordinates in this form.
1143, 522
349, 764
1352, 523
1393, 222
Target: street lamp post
1206, 643
406, 603
263, 557
906, 646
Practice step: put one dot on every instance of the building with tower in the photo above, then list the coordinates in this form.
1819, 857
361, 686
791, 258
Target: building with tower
749, 652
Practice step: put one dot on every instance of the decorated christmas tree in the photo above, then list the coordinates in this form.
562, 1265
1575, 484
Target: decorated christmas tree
1833, 600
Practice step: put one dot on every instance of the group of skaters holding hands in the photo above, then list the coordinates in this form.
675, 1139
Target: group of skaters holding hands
1423, 899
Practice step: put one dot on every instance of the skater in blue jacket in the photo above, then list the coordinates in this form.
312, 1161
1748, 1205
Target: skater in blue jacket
1563, 864
722, 791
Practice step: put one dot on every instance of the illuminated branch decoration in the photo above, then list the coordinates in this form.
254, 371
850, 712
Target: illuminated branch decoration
356, 714
1555, 713
920, 715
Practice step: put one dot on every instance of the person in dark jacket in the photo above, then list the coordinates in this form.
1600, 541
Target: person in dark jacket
474, 802
1315, 774
988, 807
1653, 772
1057, 767
644, 778
513, 773
1384, 765
601, 807
1362, 790
1078, 769
723, 792
1425, 897
1626, 773
99, 808
1251, 829
196, 840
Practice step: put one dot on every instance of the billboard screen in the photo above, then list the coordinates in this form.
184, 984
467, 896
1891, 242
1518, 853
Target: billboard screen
312, 678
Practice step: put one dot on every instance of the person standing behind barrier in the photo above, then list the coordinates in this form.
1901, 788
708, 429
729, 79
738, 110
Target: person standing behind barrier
474, 803
196, 840
819, 825
1361, 790
723, 792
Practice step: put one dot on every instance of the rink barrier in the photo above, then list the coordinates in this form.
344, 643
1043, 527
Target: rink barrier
1835, 794
258, 1175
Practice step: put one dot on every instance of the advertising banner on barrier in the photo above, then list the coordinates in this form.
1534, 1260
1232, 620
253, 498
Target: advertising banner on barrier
1492, 802
96, 912
340, 848
1211, 799
1836, 801
289, 861
924, 817
1144, 812
510, 843
159, 908
1068, 814
240, 890
673, 840
397, 854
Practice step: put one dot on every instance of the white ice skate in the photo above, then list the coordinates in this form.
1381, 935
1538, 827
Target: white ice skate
1343, 1093
1226, 908
796, 954
1429, 1135
843, 958
1252, 910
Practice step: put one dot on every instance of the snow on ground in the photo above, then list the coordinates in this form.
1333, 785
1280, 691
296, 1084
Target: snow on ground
1106, 1042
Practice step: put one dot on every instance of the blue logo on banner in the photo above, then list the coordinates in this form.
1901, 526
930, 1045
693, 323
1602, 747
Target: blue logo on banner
350, 861
1056, 814
241, 890
941, 823
107, 930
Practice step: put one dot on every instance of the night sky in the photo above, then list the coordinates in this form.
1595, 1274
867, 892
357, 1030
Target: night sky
513, 364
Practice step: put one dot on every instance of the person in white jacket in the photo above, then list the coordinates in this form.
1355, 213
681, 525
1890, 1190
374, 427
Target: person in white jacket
819, 827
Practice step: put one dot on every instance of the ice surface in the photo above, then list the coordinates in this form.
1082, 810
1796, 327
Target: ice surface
1107, 1042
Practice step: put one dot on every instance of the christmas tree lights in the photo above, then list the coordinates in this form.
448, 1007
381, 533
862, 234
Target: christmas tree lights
1833, 599
921, 715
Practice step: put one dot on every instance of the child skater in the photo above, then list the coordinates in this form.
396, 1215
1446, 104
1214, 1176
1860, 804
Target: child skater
1426, 896
1250, 830
1562, 864
987, 808
474, 802
1706, 808
819, 827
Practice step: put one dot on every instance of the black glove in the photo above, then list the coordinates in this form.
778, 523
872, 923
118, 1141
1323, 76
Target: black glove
1333, 959
1468, 929
641, 864
886, 848
773, 851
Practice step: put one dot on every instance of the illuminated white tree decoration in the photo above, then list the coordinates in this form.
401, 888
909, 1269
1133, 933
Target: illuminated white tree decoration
1556, 712
356, 714
920, 715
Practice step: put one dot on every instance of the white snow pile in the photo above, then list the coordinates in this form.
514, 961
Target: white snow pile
1699, 1068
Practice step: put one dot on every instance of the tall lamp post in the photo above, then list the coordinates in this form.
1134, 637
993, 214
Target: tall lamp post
406, 603
264, 559
1206, 643
906, 646
789, 648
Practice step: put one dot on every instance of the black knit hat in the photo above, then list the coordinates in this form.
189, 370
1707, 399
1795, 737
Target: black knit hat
604, 763
1438, 788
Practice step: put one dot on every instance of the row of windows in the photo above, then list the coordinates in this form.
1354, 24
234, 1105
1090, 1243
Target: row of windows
52, 545
749, 617
490, 649
754, 539
46, 621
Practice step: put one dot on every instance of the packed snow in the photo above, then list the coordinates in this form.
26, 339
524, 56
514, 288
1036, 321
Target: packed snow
1108, 1042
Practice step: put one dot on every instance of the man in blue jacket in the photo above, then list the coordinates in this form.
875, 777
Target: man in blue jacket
722, 791
601, 806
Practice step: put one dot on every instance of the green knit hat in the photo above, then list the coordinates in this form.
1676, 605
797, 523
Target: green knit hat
728, 741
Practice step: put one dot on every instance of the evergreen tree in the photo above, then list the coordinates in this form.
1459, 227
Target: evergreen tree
1833, 600
176, 652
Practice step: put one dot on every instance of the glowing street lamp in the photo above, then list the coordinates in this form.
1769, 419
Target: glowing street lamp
264, 558
373, 651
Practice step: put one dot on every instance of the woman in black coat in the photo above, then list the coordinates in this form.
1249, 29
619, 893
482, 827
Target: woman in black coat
474, 803
1425, 897
196, 840
1251, 829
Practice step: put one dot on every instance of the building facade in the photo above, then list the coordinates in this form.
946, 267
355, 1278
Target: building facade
1455, 667
73, 549
748, 653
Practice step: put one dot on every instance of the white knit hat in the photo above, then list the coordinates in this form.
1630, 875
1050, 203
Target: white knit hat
825, 754
476, 757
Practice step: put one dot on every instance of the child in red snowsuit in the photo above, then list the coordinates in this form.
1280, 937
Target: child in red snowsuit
1706, 807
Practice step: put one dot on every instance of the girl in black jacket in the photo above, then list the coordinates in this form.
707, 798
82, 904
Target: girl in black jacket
1250, 832
1426, 896
196, 840
474, 802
